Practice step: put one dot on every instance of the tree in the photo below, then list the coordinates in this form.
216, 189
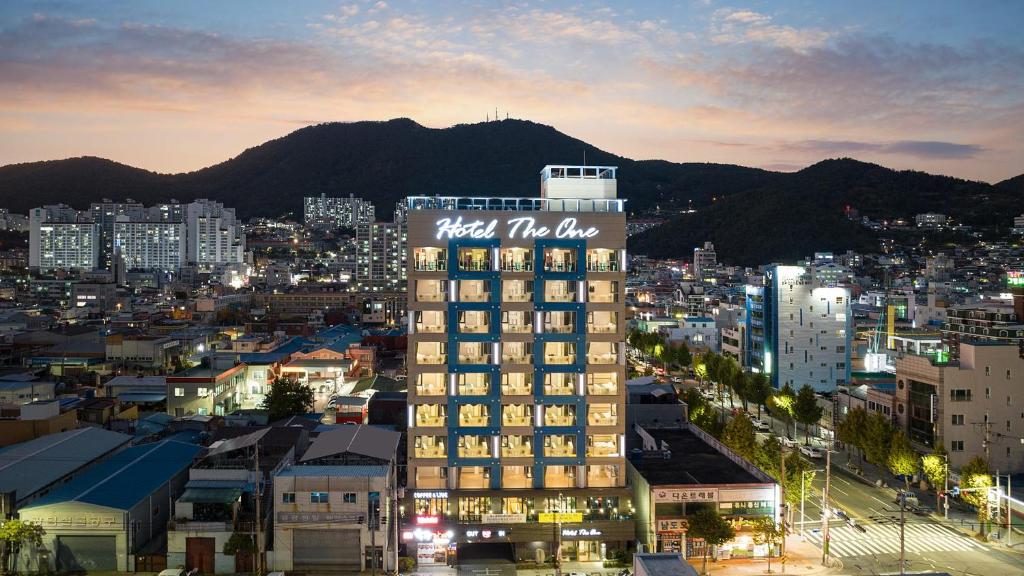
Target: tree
902, 459
759, 389
739, 435
714, 529
781, 405
806, 410
767, 531
15, 534
975, 479
934, 467
287, 397
795, 467
768, 455
683, 356
876, 437
851, 429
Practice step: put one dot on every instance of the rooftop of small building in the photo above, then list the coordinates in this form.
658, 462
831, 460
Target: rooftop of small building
350, 471
692, 461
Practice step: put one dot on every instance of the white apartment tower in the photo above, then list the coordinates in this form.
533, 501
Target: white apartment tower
326, 212
60, 239
381, 256
214, 237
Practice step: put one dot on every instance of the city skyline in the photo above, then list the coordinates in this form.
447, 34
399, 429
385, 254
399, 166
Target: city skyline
778, 86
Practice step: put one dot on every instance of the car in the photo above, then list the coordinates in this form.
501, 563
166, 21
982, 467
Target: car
760, 424
788, 442
172, 572
853, 524
574, 573
625, 572
838, 513
908, 498
811, 451
677, 380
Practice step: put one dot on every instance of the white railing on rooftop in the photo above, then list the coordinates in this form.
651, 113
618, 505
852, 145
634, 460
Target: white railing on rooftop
515, 204
578, 172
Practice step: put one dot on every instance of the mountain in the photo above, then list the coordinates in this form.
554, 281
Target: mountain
387, 161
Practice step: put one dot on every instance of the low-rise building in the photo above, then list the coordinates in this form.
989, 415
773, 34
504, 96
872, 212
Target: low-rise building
206, 390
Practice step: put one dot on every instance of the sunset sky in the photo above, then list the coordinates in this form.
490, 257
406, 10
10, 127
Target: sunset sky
175, 86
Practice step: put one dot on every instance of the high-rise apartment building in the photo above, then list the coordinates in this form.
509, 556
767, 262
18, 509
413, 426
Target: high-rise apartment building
150, 245
214, 237
381, 256
326, 212
516, 367
59, 238
106, 213
799, 330
704, 259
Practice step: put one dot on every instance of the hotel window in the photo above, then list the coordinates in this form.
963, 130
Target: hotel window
474, 446
431, 290
602, 414
602, 384
603, 291
560, 259
472, 509
560, 384
516, 446
517, 477
559, 322
474, 415
560, 415
516, 321
429, 259
517, 353
517, 415
475, 259
430, 415
430, 321
474, 352
560, 477
559, 290
602, 475
430, 447
474, 384
474, 290
603, 445
431, 353
602, 353
517, 290
474, 321
559, 353
430, 477
474, 477
516, 260
517, 384
602, 260
602, 322
560, 446
430, 384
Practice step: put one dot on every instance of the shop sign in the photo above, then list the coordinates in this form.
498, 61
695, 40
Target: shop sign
503, 518
524, 227
428, 520
574, 532
685, 495
563, 517
431, 495
747, 495
320, 517
80, 521
486, 533
671, 525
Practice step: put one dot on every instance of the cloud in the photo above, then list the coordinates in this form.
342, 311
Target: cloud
729, 26
914, 148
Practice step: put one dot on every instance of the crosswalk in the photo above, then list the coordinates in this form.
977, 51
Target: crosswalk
885, 539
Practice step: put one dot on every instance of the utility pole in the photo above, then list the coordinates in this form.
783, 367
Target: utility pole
258, 525
945, 491
803, 518
824, 508
782, 491
1009, 513
903, 501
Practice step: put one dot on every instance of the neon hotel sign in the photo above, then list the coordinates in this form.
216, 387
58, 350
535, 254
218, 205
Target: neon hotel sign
524, 227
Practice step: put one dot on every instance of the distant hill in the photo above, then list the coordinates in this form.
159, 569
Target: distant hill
386, 161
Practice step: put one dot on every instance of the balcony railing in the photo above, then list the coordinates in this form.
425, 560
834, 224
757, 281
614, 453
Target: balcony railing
607, 266
475, 265
559, 328
524, 390
514, 204
438, 265
517, 358
520, 297
431, 359
474, 359
430, 328
474, 328
479, 297
509, 328
609, 328
430, 391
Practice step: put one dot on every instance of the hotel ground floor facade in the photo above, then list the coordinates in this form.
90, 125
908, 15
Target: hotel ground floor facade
588, 524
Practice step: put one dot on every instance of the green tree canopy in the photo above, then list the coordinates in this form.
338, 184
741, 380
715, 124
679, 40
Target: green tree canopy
709, 525
288, 397
739, 435
902, 458
876, 437
781, 405
14, 535
975, 478
767, 531
806, 410
759, 389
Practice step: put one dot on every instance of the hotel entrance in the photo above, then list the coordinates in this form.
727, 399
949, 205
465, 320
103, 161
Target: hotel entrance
583, 550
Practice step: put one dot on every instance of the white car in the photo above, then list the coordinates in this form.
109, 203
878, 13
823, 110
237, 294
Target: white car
787, 442
760, 425
811, 452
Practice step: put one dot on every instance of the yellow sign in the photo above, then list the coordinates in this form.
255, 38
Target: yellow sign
563, 517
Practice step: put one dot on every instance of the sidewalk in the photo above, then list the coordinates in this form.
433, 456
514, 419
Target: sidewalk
802, 558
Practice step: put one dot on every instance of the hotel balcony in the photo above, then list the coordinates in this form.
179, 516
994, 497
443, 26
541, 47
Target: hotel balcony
517, 384
430, 290
474, 384
517, 415
560, 259
474, 290
516, 446
516, 322
431, 477
430, 259
430, 322
603, 445
431, 359
559, 384
474, 477
517, 477
474, 447
560, 291
602, 476
516, 260
475, 259
602, 353
603, 260
559, 415
603, 291
602, 415
430, 416
517, 291
474, 415
430, 384
430, 447
560, 446
474, 322
559, 476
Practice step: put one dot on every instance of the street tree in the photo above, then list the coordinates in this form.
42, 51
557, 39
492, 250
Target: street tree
768, 456
975, 479
712, 528
767, 531
739, 435
851, 428
759, 390
902, 458
795, 467
806, 410
781, 405
15, 536
876, 437
287, 397
934, 467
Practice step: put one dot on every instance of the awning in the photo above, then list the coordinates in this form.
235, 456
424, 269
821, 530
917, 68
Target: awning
211, 495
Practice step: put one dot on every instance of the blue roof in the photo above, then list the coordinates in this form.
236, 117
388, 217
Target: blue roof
278, 354
126, 478
353, 471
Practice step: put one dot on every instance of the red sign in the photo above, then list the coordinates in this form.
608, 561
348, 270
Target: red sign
428, 520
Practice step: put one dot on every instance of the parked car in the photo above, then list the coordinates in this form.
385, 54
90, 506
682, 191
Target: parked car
677, 379
909, 498
172, 572
760, 425
788, 442
811, 451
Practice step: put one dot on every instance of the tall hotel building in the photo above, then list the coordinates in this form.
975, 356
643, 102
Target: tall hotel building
517, 371
799, 330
